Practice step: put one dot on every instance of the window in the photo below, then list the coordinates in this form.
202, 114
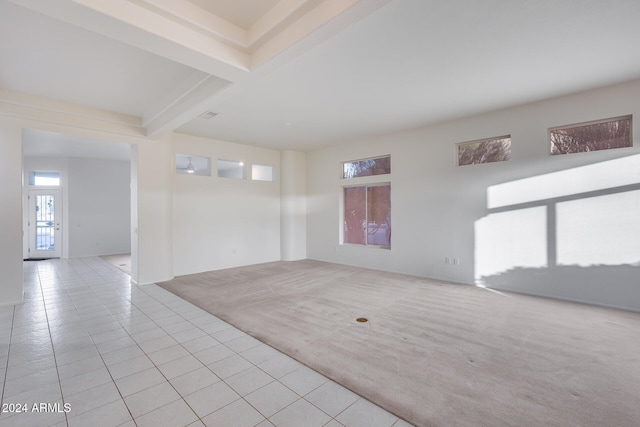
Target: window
367, 215
193, 165
230, 169
262, 173
51, 179
488, 150
592, 136
367, 167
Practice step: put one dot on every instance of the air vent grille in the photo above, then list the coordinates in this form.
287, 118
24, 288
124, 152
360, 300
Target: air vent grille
208, 115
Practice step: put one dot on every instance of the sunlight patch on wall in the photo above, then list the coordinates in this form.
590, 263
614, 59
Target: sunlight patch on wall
601, 230
508, 240
598, 176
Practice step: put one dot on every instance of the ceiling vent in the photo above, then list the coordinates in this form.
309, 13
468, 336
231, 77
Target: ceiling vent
208, 115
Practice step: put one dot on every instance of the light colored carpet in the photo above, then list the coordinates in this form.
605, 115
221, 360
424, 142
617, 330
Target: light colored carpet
434, 353
121, 261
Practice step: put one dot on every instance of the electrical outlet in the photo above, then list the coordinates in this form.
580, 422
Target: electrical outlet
446, 260
456, 261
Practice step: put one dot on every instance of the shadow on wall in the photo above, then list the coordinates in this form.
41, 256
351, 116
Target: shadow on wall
573, 234
594, 284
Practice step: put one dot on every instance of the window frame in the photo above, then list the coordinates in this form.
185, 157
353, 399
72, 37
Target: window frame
366, 186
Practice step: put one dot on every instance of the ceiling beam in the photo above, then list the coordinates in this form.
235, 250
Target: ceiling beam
279, 15
326, 19
145, 29
181, 31
192, 103
169, 32
214, 25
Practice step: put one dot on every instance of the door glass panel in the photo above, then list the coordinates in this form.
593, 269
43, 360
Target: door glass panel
45, 223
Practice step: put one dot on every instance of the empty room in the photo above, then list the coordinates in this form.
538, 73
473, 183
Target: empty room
319, 213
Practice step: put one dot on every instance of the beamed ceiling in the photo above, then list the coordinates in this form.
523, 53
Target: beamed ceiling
303, 74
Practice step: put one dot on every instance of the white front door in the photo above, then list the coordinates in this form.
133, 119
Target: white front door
45, 223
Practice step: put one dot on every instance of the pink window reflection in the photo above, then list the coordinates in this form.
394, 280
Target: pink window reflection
379, 215
355, 215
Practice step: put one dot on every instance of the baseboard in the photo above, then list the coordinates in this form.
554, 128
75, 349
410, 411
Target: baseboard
18, 302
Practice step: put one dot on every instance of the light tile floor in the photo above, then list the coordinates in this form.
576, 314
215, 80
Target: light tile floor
89, 349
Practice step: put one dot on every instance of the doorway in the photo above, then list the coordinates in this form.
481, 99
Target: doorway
91, 210
44, 223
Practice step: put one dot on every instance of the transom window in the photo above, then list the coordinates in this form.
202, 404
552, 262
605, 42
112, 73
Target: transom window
44, 179
231, 169
262, 173
367, 167
497, 149
193, 165
591, 136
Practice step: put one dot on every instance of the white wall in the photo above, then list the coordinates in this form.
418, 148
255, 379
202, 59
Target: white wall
223, 222
10, 212
578, 242
154, 210
135, 252
99, 207
293, 205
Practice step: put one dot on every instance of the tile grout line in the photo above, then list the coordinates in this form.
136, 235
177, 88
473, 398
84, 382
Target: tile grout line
145, 353
6, 371
53, 350
83, 281
206, 366
331, 418
95, 345
190, 353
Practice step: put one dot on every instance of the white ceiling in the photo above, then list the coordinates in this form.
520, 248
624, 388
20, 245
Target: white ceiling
45, 57
46, 144
302, 74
